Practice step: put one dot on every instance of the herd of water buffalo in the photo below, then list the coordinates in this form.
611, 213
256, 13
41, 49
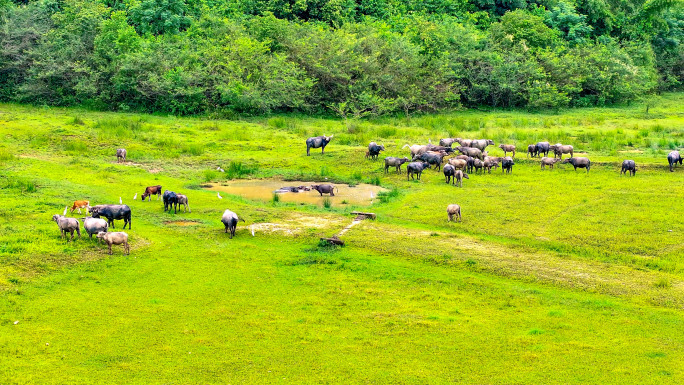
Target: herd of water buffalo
473, 157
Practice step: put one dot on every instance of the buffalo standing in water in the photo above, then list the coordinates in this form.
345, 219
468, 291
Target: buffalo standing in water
672, 158
324, 189
579, 163
317, 142
628, 165
230, 220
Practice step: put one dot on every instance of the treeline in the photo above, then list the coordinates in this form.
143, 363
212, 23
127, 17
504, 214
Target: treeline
352, 57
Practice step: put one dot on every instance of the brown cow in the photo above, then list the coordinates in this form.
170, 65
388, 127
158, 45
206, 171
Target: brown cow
80, 205
152, 190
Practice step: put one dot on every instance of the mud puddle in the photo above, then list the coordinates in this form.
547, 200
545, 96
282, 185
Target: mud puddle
263, 189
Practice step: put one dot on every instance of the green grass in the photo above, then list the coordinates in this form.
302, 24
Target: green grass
553, 276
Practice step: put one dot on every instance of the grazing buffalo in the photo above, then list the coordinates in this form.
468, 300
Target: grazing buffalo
431, 158
112, 212
391, 161
628, 166
508, 148
548, 162
120, 155
459, 164
579, 163
507, 165
449, 171
559, 150
481, 144
453, 210
532, 150
374, 150
672, 158
542, 148
477, 165
80, 205
464, 142
183, 201
170, 201
324, 189
94, 225
317, 142
152, 190
447, 142
115, 238
230, 221
67, 225
416, 168
473, 152
490, 163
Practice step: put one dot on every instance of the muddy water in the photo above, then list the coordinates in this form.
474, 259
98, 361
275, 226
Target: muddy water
263, 189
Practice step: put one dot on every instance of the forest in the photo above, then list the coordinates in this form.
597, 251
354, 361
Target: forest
350, 58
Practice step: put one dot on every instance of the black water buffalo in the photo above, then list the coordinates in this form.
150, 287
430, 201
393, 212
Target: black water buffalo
532, 149
431, 158
416, 168
317, 142
230, 220
120, 155
324, 189
170, 201
628, 165
507, 165
542, 148
672, 158
579, 163
391, 161
112, 212
374, 150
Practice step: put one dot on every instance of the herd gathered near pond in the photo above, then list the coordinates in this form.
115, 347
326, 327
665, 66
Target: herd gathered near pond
470, 156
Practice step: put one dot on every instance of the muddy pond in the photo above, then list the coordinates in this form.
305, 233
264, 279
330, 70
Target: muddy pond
263, 189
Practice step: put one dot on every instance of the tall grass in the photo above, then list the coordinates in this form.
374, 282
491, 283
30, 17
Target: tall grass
237, 169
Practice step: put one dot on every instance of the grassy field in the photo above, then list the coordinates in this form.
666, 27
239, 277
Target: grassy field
553, 276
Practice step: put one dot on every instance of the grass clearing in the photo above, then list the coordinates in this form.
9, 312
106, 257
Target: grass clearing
556, 271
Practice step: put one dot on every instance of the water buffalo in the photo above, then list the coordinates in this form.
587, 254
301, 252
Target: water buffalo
490, 163
672, 158
449, 171
464, 142
542, 148
579, 162
416, 149
416, 168
182, 200
294, 189
477, 165
170, 201
473, 152
391, 161
453, 210
80, 205
545, 161
628, 165
120, 155
113, 212
431, 158
447, 142
374, 150
94, 226
508, 148
559, 150
445, 149
507, 165
152, 190
230, 220
115, 238
67, 225
532, 149
318, 142
481, 144
324, 189
459, 164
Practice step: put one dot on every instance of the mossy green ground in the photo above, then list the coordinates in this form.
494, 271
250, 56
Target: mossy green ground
553, 276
